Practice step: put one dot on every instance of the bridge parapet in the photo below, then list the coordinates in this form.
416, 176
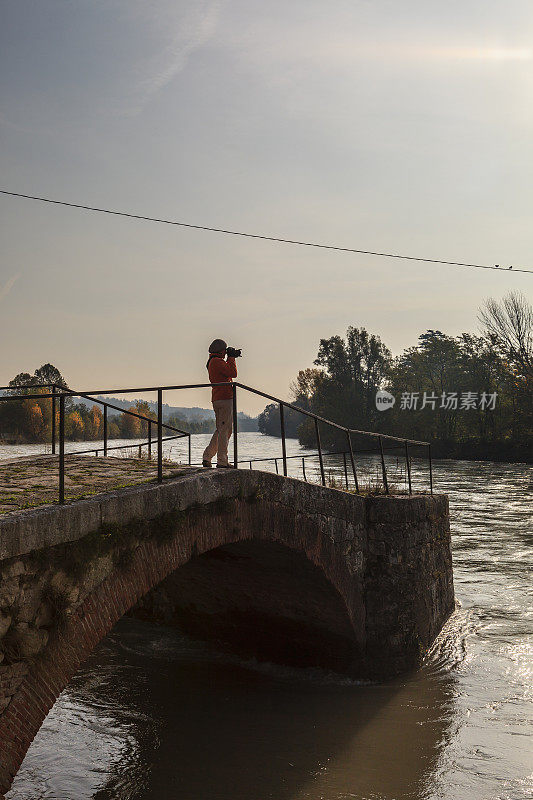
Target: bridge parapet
357, 583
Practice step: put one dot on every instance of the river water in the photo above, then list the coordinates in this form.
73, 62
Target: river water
152, 715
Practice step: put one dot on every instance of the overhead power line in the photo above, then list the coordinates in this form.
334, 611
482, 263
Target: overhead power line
264, 237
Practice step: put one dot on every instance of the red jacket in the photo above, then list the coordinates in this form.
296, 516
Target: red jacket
221, 371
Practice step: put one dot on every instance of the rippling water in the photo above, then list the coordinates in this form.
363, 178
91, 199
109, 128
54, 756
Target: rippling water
153, 715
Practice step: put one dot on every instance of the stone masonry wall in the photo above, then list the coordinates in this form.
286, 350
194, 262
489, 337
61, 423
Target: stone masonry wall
67, 574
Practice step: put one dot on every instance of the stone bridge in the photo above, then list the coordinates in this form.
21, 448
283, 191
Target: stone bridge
255, 562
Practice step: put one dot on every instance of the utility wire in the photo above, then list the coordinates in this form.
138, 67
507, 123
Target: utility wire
264, 238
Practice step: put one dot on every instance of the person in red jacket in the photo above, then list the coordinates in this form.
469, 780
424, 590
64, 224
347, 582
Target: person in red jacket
221, 370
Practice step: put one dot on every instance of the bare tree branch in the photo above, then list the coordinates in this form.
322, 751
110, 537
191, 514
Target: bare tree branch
509, 325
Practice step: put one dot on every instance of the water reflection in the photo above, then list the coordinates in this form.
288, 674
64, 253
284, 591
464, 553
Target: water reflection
177, 722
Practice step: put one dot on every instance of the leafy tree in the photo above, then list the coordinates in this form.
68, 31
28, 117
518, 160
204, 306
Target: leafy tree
303, 390
193, 426
143, 408
495, 365
353, 370
113, 428
433, 368
130, 426
269, 422
48, 374
16, 420
93, 421
74, 428
34, 420
305, 387
44, 375
22, 379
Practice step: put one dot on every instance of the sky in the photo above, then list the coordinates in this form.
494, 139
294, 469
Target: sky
399, 127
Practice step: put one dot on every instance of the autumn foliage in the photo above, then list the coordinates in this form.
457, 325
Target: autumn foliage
31, 420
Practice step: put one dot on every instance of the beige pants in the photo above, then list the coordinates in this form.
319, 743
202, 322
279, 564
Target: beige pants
219, 441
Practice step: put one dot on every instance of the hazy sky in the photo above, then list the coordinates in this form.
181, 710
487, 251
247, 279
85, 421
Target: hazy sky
377, 124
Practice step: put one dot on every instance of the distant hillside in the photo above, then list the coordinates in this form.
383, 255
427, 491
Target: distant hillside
194, 414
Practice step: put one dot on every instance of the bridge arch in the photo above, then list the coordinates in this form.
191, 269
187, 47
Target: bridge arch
257, 598
369, 576
231, 527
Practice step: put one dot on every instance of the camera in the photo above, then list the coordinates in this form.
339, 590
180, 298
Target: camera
233, 353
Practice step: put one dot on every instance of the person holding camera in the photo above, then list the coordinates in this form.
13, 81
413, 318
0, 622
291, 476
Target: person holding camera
222, 369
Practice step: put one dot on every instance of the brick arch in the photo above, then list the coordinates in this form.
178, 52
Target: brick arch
151, 563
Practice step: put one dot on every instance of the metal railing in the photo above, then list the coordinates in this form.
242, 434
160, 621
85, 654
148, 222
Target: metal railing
381, 440
58, 394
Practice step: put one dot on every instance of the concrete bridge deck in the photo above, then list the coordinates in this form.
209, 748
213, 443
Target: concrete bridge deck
257, 563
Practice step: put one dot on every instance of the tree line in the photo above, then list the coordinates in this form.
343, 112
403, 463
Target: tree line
30, 420
470, 395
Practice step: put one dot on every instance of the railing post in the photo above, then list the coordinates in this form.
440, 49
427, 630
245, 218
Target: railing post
160, 435
53, 419
283, 447
352, 459
383, 468
61, 448
408, 467
303, 468
105, 430
430, 470
345, 469
276, 465
149, 441
235, 445
317, 432
190, 450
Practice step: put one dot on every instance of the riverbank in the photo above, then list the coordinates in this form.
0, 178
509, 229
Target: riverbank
475, 450
507, 452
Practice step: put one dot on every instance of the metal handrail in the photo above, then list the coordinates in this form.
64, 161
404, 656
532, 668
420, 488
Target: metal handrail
140, 445
343, 453
62, 392
65, 392
327, 421
27, 396
72, 393
28, 386
261, 394
283, 404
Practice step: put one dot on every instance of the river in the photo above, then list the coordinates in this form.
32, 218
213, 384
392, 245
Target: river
152, 715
